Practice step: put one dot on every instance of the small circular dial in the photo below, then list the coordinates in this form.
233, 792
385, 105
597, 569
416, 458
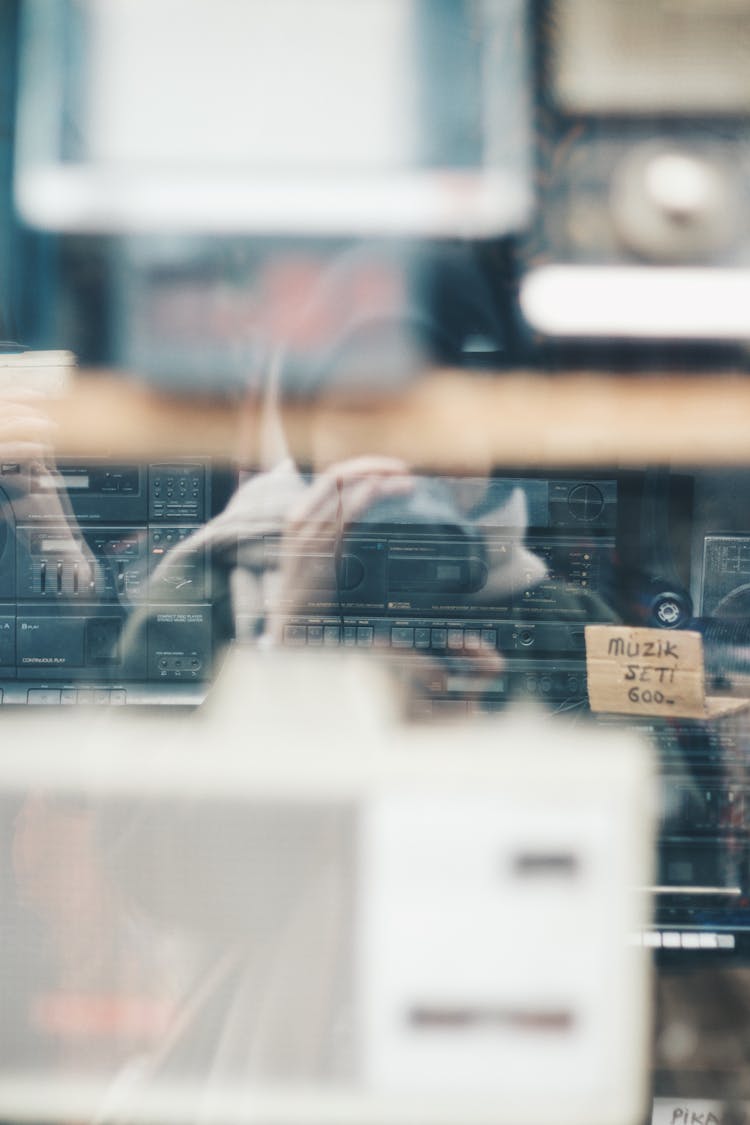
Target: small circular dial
585, 503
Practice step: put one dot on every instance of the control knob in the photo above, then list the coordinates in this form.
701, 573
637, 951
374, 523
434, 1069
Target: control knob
585, 503
673, 204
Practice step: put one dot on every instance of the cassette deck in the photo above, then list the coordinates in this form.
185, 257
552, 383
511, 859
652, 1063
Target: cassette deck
446, 596
79, 549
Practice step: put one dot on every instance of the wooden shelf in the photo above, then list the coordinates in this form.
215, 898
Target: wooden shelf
445, 421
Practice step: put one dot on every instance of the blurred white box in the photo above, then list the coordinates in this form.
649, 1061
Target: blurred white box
313, 913
279, 116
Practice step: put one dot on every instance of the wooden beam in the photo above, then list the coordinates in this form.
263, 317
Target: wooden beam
447, 421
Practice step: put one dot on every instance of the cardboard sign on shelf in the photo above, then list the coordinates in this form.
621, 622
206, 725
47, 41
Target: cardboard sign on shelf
634, 671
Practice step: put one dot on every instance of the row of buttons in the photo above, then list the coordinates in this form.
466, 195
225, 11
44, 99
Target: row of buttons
545, 685
453, 638
449, 708
400, 636
690, 939
124, 482
179, 507
181, 498
177, 663
181, 481
172, 535
328, 635
52, 696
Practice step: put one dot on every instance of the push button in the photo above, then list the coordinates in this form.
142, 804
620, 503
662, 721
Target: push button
331, 634
402, 637
471, 638
315, 634
43, 697
295, 634
364, 635
455, 638
439, 638
421, 638
489, 638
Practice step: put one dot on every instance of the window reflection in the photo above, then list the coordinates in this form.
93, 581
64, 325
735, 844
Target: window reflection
282, 205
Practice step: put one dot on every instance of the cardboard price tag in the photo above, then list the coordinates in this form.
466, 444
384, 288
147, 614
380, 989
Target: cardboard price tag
650, 672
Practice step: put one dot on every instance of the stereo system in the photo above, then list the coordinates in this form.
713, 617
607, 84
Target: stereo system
415, 589
640, 230
644, 142
79, 551
704, 859
702, 869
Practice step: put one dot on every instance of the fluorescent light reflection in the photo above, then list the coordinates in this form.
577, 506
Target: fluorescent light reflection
639, 302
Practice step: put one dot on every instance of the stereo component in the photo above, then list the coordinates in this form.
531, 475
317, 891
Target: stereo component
448, 592
68, 589
725, 583
642, 131
406, 573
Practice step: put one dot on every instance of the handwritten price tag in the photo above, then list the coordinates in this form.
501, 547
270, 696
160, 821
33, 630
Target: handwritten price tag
688, 1112
650, 672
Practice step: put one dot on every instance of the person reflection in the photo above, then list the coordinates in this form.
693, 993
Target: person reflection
33, 495
298, 558
286, 558
33, 499
59, 920
282, 558
283, 566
